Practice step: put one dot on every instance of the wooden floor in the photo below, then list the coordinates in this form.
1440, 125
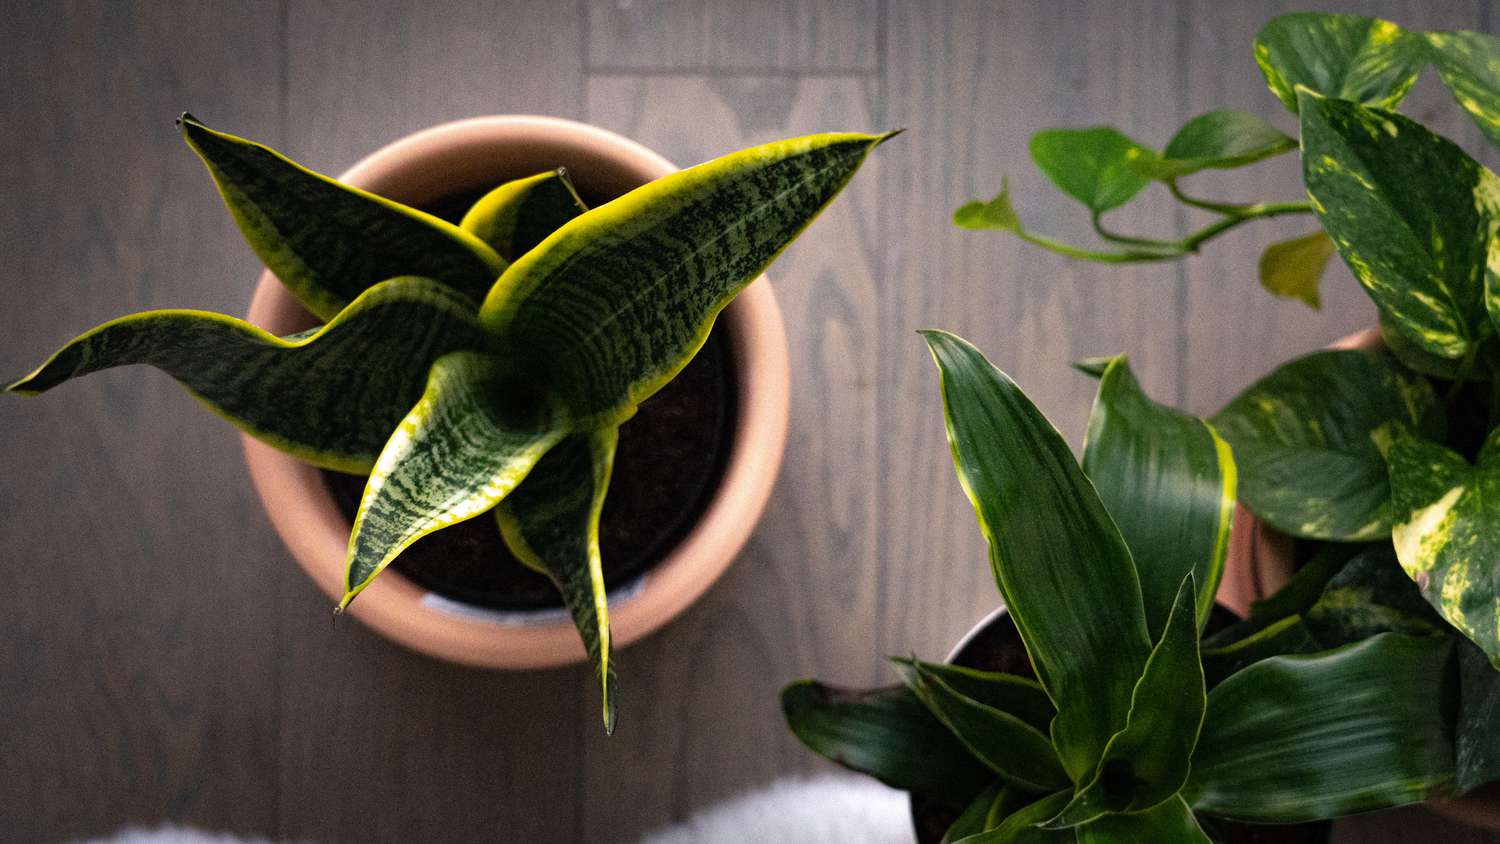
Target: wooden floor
161, 658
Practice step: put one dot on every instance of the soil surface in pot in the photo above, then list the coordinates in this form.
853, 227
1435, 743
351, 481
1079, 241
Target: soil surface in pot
998, 647
670, 460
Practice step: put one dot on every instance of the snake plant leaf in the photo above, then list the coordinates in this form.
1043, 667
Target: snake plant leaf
1366, 60
1098, 166
1018, 696
1412, 215
1062, 567
296, 393
468, 441
1171, 822
1169, 482
885, 733
1469, 63
551, 523
1146, 763
518, 215
1447, 532
1302, 738
613, 304
1219, 140
1292, 269
1369, 596
329, 242
998, 213
1022, 825
1477, 731
1018, 752
976, 816
1310, 440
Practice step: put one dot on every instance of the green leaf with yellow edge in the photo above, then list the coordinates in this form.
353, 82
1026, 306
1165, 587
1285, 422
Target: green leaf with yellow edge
1169, 483
1366, 60
1018, 752
975, 817
1219, 140
1019, 696
885, 733
1061, 564
1288, 635
613, 304
1293, 268
1293, 739
1146, 763
998, 213
469, 440
1021, 826
329, 397
1447, 532
329, 242
1469, 63
1310, 439
551, 523
1098, 166
1171, 822
518, 215
1412, 215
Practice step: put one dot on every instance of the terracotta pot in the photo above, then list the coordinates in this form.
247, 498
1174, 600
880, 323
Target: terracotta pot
1260, 562
470, 156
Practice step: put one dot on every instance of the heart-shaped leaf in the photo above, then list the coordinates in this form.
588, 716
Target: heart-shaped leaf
551, 523
1412, 215
1310, 438
613, 304
1293, 268
329, 242
1099, 166
1218, 140
1063, 569
518, 215
998, 213
462, 448
1447, 532
300, 393
1469, 63
1366, 60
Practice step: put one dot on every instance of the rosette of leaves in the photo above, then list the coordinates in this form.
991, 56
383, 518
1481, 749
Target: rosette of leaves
476, 368
1133, 728
1397, 446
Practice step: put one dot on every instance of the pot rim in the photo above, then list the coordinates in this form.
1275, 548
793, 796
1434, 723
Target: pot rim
420, 168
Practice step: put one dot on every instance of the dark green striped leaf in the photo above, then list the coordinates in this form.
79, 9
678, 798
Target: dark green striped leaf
1477, 732
330, 397
1021, 827
1099, 166
1019, 753
1447, 532
551, 523
1293, 268
1302, 738
1293, 599
1369, 596
462, 448
1469, 63
976, 816
1411, 214
1018, 696
1366, 60
1062, 566
886, 733
1217, 140
329, 242
1169, 482
1309, 440
518, 215
1288, 635
1171, 822
610, 306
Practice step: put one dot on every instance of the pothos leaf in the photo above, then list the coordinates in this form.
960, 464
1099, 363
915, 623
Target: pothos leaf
1293, 268
1420, 360
998, 213
1309, 440
1447, 532
1099, 166
329, 397
551, 523
1063, 569
462, 448
518, 215
1220, 140
1366, 60
329, 242
1370, 595
1469, 63
612, 305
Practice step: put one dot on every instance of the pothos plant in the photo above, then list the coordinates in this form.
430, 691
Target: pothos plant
1131, 729
478, 367
1396, 449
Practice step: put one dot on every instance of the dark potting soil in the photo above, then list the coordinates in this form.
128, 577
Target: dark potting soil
998, 647
670, 460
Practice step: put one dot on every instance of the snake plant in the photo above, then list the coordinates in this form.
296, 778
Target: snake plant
1400, 446
478, 367
1133, 728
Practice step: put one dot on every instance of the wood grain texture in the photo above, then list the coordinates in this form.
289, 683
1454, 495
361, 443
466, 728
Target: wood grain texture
162, 659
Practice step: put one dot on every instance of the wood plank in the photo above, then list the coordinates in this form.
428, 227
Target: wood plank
138, 633
700, 698
752, 36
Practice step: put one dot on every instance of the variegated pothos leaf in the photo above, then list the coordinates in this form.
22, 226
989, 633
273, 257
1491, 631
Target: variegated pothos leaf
1366, 60
1469, 63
